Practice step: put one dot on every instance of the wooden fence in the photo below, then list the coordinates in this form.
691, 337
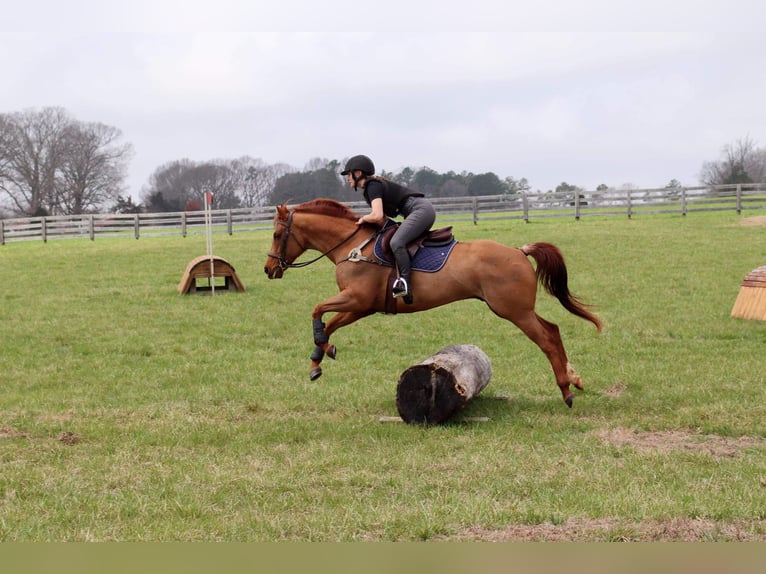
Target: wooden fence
526, 206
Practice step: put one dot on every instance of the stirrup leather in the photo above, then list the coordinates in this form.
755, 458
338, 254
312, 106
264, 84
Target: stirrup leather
400, 288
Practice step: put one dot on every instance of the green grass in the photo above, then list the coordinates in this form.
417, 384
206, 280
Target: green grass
194, 417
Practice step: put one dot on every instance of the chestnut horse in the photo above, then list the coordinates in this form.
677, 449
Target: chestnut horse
501, 276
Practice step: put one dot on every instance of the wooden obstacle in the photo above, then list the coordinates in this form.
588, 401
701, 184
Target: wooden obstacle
751, 301
432, 391
197, 277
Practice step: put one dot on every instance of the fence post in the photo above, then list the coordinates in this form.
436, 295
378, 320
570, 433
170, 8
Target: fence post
577, 204
739, 199
683, 201
228, 222
91, 229
44, 229
136, 226
2, 232
183, 224
630, 205
474, 210
525, 206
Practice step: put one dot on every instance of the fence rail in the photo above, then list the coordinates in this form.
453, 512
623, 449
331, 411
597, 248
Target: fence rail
525, 206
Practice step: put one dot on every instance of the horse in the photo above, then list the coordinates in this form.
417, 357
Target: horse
501, 276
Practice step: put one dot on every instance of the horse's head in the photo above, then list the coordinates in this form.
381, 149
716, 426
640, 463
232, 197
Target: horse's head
322, 224
285, 246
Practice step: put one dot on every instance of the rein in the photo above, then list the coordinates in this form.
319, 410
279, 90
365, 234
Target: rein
284, 263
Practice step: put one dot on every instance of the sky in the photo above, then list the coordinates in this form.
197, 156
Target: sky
588, 92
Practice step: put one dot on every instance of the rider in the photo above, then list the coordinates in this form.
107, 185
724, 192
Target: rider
389, 199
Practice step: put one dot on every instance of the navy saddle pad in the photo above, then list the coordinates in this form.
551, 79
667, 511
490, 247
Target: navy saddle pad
429, 258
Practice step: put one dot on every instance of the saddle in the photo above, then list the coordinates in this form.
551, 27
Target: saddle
429, 252
431, 238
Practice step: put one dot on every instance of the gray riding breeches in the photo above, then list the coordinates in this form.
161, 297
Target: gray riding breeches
419, 215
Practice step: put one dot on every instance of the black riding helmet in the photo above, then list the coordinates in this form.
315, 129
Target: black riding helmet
361, 163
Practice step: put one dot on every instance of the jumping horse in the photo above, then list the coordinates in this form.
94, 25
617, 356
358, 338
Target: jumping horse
501, 276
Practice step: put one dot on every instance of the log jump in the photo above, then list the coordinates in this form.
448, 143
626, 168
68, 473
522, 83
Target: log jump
443, 384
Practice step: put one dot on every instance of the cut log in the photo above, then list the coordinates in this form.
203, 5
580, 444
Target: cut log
434, 390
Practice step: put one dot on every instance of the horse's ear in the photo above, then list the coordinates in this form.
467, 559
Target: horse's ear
282, 211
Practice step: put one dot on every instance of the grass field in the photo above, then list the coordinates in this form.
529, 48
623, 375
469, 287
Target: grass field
129, 412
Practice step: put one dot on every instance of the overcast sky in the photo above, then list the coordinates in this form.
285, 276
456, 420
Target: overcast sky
587, 92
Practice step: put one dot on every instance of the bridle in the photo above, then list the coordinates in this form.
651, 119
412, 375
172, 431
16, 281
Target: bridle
282, 256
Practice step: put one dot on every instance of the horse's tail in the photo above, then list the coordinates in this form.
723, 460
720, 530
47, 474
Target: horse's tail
552, 274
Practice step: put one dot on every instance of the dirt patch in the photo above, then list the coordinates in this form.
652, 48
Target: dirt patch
666, 441
7, 432
613, 530
65, 437
754, 221
68, 437
616, 390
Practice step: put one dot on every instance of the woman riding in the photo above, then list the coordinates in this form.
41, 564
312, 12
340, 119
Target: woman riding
389, 199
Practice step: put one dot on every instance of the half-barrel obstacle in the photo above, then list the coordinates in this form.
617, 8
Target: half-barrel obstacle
201, 274
434, 390
751, 300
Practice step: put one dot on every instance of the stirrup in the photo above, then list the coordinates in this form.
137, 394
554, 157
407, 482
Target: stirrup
400, 288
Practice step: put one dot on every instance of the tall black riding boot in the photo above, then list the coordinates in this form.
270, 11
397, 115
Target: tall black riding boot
403, 286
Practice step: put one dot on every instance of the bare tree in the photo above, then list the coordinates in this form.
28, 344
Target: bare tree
217, 178
31, 147
248, 171
257, 179
168, 188
181, 185
93, 168
755, 166
51, 163
742, 162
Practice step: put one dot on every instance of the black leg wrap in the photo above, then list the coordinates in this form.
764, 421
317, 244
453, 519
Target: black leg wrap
317, 354
320, 336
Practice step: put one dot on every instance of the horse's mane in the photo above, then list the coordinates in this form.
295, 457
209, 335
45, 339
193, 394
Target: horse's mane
324, 206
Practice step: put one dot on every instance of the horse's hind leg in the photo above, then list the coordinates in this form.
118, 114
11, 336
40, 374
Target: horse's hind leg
569, 376
546, 335
551, 344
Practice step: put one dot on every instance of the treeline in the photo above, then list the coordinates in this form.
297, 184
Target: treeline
53, 164
248, 182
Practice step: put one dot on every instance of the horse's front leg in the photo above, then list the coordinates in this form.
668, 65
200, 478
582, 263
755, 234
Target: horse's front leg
322, 332
322, 345
321, 341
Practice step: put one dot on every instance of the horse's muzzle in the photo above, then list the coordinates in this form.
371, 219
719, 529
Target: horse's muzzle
275, 272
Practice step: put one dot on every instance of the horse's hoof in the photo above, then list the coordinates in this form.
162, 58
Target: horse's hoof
332, 352
569, 401
315, 373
